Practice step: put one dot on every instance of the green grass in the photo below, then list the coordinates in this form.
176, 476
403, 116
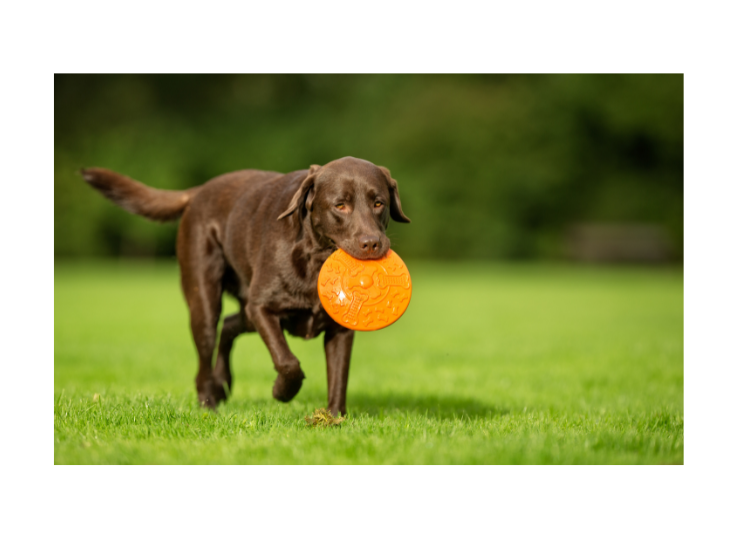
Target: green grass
490, 364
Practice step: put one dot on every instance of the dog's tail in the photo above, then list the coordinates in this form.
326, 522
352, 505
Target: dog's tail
155, 204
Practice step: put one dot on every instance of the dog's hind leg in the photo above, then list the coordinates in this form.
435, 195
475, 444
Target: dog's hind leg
202, 266
233, 325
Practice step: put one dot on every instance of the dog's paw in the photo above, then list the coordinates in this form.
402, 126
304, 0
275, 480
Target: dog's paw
337, 411
211, 394
287, 385
221, 388
207, 400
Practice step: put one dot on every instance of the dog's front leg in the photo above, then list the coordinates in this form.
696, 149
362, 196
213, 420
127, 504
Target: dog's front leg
290, 376
338, 342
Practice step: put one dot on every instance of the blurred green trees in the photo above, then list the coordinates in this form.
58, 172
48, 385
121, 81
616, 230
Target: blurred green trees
489, 166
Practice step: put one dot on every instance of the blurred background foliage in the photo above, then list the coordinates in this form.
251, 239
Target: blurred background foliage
489, 166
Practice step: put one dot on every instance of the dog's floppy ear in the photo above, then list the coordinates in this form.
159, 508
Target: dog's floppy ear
395, 205
304, 195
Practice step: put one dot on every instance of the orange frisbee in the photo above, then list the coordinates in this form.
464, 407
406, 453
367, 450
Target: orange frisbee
364, 295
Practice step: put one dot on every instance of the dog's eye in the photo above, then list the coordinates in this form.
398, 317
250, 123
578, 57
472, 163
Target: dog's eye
341, 206
378, 204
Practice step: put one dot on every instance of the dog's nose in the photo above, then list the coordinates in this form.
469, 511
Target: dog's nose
369, 244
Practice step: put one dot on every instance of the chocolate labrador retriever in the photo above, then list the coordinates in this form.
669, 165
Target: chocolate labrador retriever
263, 237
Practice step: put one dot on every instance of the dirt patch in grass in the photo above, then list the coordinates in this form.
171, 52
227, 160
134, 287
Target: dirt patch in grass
322, 418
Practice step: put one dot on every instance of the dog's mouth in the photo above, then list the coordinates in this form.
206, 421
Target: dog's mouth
359, 255
332, 246
352, 250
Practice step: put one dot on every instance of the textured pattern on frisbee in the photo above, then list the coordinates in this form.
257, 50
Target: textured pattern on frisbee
364, 295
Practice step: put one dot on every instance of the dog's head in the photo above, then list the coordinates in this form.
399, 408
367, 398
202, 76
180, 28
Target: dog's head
349, 201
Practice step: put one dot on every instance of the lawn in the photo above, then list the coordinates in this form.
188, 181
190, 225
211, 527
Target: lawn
490, 364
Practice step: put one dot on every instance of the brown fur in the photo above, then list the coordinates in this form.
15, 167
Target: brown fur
155, 204
263, 237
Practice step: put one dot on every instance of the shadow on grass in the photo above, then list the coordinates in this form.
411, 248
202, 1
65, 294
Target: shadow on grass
381, 405
443, 407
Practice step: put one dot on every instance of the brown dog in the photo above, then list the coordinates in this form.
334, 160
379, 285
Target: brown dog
263, 237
